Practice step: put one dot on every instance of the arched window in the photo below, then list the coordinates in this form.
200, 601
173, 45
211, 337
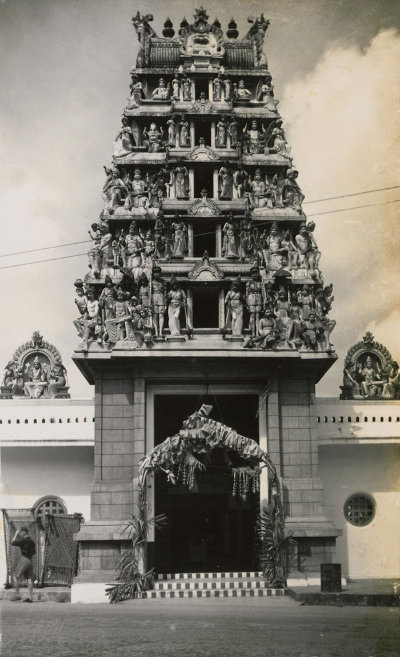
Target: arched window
49, 504
359, 509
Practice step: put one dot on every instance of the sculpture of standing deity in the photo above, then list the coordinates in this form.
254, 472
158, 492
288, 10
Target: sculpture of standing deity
158, 302
220, 136
179, 245
184, 133
267, 95
225, 184
187, 88
125, 139
254, 300
176, 298
181, 182
217, 88
229, 246
234, 308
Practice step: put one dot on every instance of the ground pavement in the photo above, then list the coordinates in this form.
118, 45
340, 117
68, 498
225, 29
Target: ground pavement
247, 627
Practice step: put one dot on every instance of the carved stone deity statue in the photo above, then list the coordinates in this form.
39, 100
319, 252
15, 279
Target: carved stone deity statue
144, 33
272, 254
240, 91
233, 132
304, 247
240, 180
57, 379
256, 34
161, 92
114, 190
172, 128
254, 300
225, 183
291, 193
134, 248
228, 89
158, 302
181, 182
136, 93
90, 322
258, 190
187, 88
107, 299
153, 139
125, 140
176, 299
217, 87
253, 138
266, 94
138, 193
267, 334
36, 379
179, 244
234, 308
176, 85
220, 135
229, 244
184, 133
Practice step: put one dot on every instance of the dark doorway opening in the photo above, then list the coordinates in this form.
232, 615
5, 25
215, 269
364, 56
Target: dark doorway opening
203, 129
205, 307
201, 87
203, 179
204, 239
208, 530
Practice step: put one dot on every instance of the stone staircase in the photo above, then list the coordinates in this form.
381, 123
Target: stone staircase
211, 585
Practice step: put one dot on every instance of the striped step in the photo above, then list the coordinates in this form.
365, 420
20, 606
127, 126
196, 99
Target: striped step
188, 585
215, 593
218, 575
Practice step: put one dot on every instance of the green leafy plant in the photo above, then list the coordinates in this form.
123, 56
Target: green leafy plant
133, 578
274, 547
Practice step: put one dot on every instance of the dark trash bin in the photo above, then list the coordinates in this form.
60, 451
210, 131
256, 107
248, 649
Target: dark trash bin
331, 577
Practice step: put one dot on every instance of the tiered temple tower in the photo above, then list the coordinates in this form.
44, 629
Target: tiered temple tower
203, 285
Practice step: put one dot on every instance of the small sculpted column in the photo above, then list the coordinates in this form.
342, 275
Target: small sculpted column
215, 183
212, 134
192, 134
191, 183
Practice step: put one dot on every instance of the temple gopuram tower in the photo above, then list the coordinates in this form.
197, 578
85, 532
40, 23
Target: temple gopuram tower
203, 287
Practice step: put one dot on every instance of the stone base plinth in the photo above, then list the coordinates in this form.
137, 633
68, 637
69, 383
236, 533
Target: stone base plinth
175, 338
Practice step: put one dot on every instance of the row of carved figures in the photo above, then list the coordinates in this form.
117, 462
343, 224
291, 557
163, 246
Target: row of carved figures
123, 193
136, 311
223, 89
250, 139
274, 250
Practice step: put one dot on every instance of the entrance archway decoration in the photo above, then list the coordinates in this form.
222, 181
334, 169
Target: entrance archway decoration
187, 453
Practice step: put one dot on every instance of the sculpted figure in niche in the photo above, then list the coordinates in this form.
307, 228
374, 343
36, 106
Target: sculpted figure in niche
304, 248
136, 93
289, 249
254, 300
171, 127
240, 180
153, 139
278, 144
220, 135
125, 139
184, 133
148, 254
311, 332
267, 95
179, 245
114, 190
217, 88
134, 248
144, 292
57, 379
234, 308
187, 88
181, 182
225, 183
107, 299
228, 89
138, 194
158, 302
240, 91
176, 301
229, 246
36, 379
176, 85
90, 322
162, 91
247, 242
291, 193
268, 333
258, 190
371, 384
81, 303
233, 132
273, 248
253, 138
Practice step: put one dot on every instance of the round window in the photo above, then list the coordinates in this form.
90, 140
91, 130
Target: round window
49, 505
359, 509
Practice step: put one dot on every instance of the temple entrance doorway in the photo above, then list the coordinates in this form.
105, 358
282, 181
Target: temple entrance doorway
208, 529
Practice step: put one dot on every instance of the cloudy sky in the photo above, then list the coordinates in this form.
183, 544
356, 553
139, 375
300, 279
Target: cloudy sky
64, 73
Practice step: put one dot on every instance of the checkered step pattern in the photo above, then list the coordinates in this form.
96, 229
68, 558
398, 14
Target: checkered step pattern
211, 585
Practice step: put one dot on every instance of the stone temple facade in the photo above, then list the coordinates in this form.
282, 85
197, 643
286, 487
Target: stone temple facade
203, 287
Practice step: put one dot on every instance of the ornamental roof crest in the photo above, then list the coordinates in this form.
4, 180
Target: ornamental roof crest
201, 37
205, 270
204, 206
35, 371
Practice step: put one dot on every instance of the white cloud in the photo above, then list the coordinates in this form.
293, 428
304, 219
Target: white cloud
344, 127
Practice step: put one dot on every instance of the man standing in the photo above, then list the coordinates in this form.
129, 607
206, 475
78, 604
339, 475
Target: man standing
24, 567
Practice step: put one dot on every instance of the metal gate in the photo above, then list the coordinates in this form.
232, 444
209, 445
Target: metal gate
56, 560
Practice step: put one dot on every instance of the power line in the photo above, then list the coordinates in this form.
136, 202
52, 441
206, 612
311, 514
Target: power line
43, 248
355, 207
36, 262
261, 223
368, 191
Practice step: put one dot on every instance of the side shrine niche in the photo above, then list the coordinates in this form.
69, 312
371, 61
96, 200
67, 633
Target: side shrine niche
370, 372
202, 236
35, 371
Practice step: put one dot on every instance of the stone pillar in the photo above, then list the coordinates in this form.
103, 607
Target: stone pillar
212, 134
210, 90
191, 183
215, 183
218, 241
190, 240
192, 134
